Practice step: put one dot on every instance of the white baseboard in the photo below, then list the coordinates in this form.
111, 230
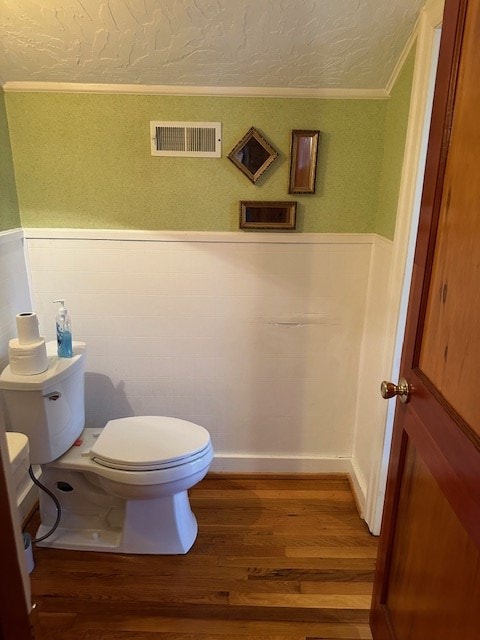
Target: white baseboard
233, 463
359, 486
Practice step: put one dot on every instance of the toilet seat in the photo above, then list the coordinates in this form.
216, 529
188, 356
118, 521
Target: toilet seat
149, 443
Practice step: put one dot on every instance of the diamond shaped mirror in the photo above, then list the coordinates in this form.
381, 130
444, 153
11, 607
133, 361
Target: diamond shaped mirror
253, 154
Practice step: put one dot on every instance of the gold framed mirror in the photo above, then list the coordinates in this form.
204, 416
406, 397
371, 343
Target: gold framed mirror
303, 162
253, 154
268, 215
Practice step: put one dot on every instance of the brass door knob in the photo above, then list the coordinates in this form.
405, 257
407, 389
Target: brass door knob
403, 390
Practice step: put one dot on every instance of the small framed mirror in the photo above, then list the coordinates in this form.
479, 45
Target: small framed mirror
303, 162
253, 155
268, 215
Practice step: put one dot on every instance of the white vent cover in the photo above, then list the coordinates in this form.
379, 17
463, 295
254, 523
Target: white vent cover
187, 139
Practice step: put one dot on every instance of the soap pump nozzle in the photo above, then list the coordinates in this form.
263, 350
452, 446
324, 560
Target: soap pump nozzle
62, 311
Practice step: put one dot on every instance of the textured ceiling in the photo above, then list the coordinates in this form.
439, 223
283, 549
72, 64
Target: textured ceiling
233, 43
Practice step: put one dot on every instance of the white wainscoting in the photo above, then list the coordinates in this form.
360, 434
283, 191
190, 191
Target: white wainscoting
371, 408
255, 336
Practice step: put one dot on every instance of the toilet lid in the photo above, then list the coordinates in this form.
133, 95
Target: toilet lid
148, 442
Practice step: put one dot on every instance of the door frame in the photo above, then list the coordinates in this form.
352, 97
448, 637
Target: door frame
427, 37
423, 440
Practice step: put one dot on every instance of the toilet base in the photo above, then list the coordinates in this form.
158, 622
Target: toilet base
95, 521
82, 539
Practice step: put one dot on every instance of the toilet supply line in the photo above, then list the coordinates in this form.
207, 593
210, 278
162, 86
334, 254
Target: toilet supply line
55, 500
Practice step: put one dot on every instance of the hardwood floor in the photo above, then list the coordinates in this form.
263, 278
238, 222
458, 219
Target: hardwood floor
277, 558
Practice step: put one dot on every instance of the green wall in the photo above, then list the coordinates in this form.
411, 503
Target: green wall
83, 160
9, 214
394, 146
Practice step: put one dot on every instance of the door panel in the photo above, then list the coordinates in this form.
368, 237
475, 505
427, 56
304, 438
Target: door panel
434, 580
450, 348
427, 584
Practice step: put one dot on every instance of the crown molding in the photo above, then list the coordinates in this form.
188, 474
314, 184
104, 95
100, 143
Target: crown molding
235, 92
432, 12
401, 60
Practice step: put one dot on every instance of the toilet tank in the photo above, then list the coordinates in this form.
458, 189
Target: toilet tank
49, 408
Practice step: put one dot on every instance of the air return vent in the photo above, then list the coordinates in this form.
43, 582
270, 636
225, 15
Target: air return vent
187, 139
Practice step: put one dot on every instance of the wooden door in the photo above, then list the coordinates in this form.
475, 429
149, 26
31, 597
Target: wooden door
14, 619
427, 584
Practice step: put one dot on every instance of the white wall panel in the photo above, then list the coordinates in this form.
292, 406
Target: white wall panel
254, 340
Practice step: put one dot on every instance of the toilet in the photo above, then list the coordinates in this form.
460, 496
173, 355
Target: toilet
123, 488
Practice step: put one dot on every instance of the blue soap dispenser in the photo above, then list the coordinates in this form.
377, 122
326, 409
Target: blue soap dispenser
64, 332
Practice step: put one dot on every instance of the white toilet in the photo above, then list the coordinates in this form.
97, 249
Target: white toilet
18, 452
122, 488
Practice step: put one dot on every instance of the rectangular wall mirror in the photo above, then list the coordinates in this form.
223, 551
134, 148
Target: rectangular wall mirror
268, 215
303, 162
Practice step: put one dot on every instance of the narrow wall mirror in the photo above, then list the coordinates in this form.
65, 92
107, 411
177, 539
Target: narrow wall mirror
268, 215
303, 162
253, 154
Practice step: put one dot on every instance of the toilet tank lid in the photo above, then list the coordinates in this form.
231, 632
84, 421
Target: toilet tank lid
147, 440
58, 369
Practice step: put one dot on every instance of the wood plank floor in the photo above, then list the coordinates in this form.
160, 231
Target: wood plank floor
283, 558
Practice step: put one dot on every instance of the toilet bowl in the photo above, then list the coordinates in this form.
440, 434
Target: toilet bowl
123, 488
